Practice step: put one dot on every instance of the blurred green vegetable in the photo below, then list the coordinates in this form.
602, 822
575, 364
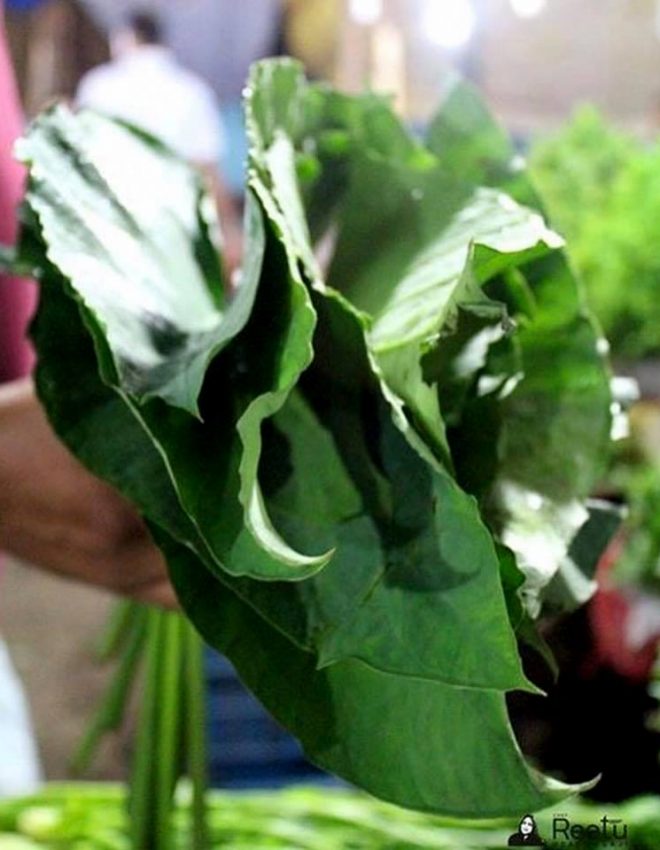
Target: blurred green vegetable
91, 818
602, 189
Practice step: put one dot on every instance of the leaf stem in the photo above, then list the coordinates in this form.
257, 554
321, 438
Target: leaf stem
141, 797
196, 735
123, 615
110, 713
168, 723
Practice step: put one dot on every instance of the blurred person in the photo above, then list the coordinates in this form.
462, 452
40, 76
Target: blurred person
145, 85
53, 513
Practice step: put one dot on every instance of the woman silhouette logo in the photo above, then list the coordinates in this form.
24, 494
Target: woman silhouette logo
527, 835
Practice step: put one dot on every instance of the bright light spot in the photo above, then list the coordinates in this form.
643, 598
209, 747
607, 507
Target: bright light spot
602, 346
366, 12
528, 8
449, 23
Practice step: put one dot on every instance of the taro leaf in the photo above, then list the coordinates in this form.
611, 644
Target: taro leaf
405, 208
132, 249
143, 277
402, 580
91, 418
421, 744
291, 353
427, 224
398, 590
457, 359
214, 463
275, 105
341, 125
465, 136
360, 720
562, 402
441, 240
439, 563
331, 615
203, 461
538, 495
566, 405
289, 121
437, 569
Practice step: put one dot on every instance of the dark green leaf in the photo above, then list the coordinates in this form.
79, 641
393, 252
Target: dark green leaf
131, 249
422, 744
533, 497
320, 425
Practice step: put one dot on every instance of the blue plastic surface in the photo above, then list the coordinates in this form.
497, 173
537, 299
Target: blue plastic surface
248, 749
23, 5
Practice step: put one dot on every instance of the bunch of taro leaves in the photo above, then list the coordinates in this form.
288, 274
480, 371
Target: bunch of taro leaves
369, 467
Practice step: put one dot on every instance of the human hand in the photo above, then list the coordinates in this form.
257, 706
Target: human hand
56, 515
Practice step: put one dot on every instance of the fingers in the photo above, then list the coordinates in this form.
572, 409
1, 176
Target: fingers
140, 573
160, 594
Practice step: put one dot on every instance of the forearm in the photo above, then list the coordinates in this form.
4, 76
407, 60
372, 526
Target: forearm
56, 515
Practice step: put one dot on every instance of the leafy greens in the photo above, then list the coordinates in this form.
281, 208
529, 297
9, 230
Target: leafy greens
364, 469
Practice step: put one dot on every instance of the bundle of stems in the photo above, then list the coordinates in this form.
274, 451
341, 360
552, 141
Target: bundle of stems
163, 651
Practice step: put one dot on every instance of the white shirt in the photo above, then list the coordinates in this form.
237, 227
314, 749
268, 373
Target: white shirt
150, 89
20, 772
193, 28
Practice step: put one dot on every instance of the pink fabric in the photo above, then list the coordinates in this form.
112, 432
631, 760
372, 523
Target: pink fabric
17, 297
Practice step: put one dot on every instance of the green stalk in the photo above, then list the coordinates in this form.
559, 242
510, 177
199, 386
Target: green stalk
141, 797
112, 638
110, 713
196, 736
171, 726
169, 715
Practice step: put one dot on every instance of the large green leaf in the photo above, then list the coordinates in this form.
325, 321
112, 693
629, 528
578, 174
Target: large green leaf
429, 224
93, 419
411, 578
205, 453
465, 136
318, 426
139, 261
421, 744
342, 714
426, 569
398, 590
275, 103
138, 251
444, 239
214, 463
535, 498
